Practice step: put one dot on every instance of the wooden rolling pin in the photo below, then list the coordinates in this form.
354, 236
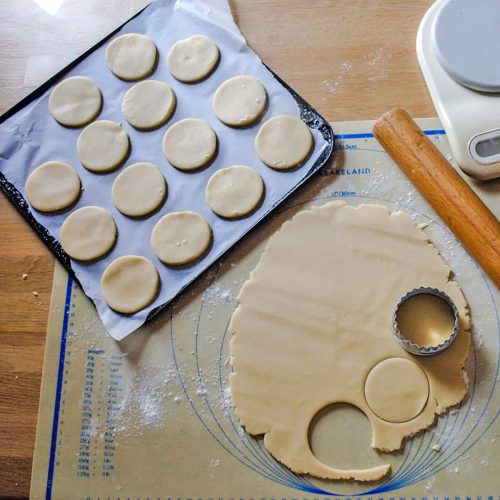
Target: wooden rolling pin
450, 196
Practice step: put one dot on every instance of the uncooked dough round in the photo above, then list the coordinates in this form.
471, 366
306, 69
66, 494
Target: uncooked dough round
316, 315
283, 142
239, 101
129, 284
190, 144
139, 190
131, 56
180, 238
75, 101
52, 186
148, 104
234, 191
88, 233
397, 390
102, 146
193, 59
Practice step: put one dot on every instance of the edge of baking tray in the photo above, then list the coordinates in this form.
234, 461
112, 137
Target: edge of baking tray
307, 113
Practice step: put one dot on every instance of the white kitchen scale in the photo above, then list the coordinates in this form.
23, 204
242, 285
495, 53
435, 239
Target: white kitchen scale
458, 47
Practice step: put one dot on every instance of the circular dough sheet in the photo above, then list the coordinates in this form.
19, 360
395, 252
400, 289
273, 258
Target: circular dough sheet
284, 142
102, 146
139, 190
75, 101
148, 104
193, 59
180, 238
190, 144
129, 284
396, 390
239, 101
316, 316
52, 186
131, 56
88, 233
234, 191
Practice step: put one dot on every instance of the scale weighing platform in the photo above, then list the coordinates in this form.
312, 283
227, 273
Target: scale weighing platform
151, 418
458, 47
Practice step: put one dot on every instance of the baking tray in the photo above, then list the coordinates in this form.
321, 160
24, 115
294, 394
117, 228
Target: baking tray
308, 114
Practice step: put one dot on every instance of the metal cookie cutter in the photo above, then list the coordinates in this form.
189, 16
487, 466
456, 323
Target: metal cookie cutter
412, 347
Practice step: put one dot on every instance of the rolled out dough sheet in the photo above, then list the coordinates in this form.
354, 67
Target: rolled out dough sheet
151, 416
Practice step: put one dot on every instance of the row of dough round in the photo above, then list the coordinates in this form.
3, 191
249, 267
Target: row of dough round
76, 101
140, 189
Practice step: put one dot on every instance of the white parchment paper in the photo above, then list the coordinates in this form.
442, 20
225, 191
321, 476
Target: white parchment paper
32, 137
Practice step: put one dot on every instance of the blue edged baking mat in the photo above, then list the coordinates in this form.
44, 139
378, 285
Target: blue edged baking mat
150, 417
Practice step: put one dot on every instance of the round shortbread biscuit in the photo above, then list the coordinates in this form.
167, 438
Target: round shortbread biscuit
52, 186
239, 101
284, 142
131, 56
190, 144
193, 59
102, 146
75, 101
148, 104
88, 233
129, 284
180, 238
139, 189
234, 191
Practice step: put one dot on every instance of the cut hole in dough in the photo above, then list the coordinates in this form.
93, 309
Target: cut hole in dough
284, 142
148, 104
131, 57
88, 233
52, 186
102, 146
234, 191
190, 144
129, 284
75, 101
193, 59
180, 238
240, 101
425, 320
343, 427
397, 390
139, 190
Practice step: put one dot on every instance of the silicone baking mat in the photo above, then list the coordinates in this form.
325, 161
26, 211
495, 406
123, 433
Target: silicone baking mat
150, 417
31, 137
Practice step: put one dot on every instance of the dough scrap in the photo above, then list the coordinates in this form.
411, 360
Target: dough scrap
75, 101
102, 146
131, 56
88, 233
52, 186
129, 284
396, 390
425, 320
239, 101
284, 142
235, 191
139, 189
316, 316
180, 238
148, 104
190, 144
193, 59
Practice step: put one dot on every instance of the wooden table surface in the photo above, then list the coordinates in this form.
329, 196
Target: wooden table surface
351, 59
